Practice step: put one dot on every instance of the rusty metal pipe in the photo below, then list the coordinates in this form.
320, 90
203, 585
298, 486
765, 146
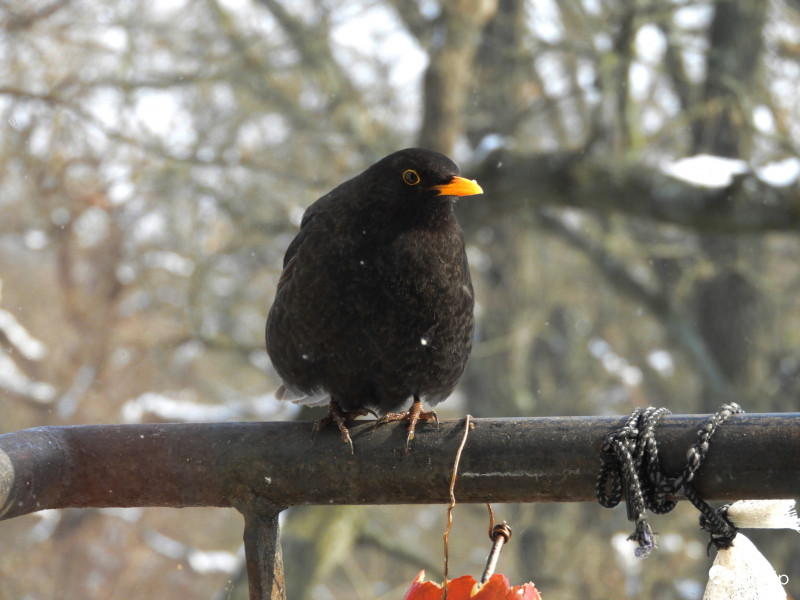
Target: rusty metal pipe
505, 460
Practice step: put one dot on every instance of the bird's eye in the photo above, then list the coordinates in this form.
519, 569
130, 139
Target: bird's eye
411, 177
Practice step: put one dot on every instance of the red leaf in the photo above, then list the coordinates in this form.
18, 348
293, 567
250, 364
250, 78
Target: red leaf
466, 588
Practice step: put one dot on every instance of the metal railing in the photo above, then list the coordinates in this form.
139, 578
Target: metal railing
262, 468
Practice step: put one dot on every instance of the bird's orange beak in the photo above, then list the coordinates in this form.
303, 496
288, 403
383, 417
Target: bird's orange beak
458, 186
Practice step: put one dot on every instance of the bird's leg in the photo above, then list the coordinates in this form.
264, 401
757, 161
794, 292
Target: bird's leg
412, 415
339, 416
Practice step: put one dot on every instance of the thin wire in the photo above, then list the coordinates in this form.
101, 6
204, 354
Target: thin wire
453, 501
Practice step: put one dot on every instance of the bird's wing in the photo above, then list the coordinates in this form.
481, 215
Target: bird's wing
309, 228
290, 258
286, 274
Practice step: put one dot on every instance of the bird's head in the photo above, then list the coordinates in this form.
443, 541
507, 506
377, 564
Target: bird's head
415, 176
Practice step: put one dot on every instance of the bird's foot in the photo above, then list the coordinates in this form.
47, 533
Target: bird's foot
412, 415
340, 417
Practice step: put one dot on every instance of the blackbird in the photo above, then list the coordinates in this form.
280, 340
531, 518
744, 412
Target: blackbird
375, 303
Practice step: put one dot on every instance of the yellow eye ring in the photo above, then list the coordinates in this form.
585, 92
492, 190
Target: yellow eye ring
411, 177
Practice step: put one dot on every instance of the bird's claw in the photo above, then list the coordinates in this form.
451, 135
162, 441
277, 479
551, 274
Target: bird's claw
412, 415
340, 417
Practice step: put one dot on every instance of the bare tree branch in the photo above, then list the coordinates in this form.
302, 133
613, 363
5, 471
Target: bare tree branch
657, 303
604, 184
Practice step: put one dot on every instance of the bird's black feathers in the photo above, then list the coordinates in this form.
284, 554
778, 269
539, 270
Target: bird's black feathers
375, 302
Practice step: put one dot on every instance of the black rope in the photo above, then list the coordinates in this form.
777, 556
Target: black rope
631, 465
720, 528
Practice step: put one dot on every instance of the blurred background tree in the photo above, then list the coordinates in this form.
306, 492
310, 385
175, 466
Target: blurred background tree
156, 158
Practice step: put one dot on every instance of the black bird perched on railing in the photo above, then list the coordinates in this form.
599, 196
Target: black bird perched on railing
375, 304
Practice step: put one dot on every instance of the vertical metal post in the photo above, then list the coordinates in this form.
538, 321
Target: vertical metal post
262, 548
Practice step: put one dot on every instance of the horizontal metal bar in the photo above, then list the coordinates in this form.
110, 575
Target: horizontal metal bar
505, 460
